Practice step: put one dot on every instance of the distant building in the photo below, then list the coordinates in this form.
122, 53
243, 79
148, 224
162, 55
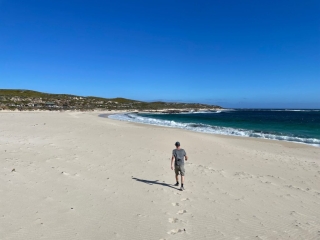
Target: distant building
50, 104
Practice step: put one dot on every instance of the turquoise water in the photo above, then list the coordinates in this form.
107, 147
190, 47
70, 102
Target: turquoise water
289, 125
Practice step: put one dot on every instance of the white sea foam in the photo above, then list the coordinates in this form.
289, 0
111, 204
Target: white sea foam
213, 129
278, 110
293, 110
302, 110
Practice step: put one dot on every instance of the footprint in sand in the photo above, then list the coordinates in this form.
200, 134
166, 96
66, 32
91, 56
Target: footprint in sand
173, 220
182, 212
175, 231
175, 204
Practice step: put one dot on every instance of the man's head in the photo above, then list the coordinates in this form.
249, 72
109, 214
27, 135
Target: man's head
177, 144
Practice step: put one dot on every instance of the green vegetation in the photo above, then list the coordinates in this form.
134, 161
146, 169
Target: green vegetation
32, 100
30, 94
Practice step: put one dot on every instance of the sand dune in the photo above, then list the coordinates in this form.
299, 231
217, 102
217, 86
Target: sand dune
79, 176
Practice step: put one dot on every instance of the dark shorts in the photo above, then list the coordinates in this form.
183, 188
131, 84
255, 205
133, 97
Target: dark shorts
179, 168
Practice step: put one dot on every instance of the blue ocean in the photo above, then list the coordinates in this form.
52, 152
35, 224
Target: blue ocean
301, 125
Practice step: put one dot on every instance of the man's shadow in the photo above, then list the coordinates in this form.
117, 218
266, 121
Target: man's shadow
154, 182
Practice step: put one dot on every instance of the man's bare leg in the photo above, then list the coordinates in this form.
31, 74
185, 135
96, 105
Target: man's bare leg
177, 180
182, 181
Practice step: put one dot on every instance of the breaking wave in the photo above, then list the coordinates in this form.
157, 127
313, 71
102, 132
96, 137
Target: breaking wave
198, 127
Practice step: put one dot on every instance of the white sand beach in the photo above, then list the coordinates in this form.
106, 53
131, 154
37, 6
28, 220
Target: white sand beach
67, 175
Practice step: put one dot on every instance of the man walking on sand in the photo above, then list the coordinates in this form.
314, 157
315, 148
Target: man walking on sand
179, 155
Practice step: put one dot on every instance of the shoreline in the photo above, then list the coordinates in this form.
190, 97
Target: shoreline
219, 134
106, 114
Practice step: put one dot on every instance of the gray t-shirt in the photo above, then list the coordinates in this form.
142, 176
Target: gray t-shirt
179, 155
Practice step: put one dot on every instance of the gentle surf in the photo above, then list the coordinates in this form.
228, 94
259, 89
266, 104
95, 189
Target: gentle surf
295, 125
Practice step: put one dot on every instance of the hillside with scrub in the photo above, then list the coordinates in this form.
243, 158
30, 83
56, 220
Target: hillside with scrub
16, 99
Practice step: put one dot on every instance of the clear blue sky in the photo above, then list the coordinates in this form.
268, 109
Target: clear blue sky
231, 53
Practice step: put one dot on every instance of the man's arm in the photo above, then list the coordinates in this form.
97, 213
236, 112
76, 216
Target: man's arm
172, 162
186, 157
